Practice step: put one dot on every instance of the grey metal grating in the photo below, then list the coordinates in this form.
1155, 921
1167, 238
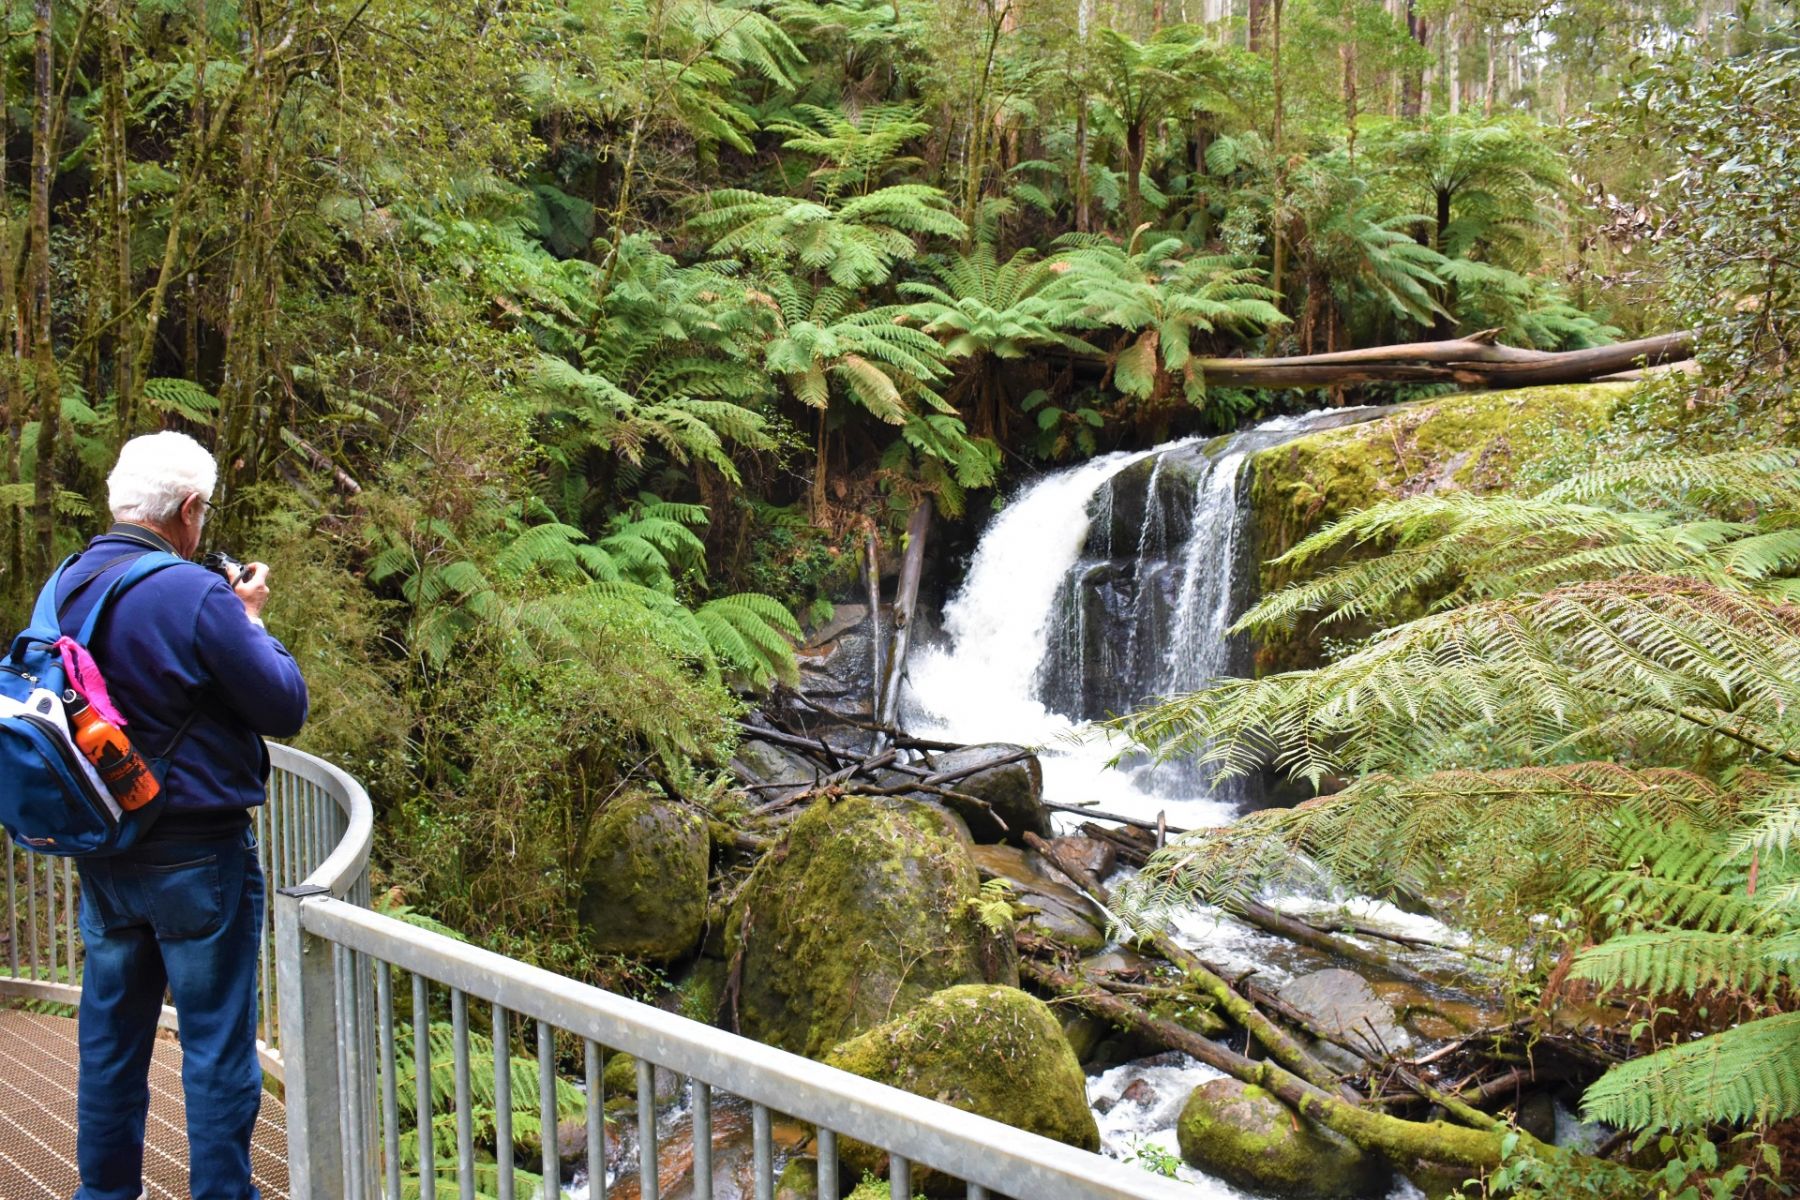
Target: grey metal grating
37, 1117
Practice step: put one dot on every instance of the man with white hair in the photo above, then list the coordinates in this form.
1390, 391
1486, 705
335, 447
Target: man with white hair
196, 676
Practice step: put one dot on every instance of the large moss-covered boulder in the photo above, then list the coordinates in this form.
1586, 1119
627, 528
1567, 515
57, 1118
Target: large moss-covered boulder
1250, 1139
984, 1049
869, 905
643, 892
1481, 443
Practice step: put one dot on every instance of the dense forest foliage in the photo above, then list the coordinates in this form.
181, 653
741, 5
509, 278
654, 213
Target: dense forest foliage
561, 354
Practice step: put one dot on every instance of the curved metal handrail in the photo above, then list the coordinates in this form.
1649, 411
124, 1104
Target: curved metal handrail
347, 864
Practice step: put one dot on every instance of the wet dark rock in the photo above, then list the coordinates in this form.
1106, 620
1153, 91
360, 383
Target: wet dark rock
1250, 1139
1013, 791
1139, 1093
1051, 907
772, 772
1344, 1004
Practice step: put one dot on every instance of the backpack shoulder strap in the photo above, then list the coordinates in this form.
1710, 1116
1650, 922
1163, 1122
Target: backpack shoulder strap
43, 613
148, 563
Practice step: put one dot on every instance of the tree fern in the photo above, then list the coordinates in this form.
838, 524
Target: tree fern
1750, 1073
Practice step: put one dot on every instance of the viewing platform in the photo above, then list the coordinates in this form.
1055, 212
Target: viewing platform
342, 987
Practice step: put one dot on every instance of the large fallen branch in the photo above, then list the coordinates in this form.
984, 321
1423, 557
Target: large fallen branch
1478, 361
1396, 1138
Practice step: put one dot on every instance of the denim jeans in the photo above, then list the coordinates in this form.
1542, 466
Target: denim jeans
187, 915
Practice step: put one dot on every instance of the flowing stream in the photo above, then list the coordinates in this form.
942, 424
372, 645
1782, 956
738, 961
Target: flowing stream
1096, 589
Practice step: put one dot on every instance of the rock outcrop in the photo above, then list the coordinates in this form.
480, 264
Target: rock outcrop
989, 1050
1248, 1138
867, 906
643, 891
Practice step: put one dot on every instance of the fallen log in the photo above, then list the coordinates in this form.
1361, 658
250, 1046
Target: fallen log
1282, 1047
1476, 361
906, 599
1282, 925
1382, 1133
1096, 814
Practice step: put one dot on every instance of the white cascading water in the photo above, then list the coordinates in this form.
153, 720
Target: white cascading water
1021, 608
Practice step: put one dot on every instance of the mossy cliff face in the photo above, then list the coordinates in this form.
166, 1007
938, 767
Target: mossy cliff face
865, 909
1472, 442
644, 889
989, 1050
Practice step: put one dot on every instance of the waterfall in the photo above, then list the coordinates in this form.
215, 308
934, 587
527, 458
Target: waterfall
1096, 589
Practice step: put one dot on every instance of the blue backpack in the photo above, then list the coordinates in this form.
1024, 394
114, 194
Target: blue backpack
52, 801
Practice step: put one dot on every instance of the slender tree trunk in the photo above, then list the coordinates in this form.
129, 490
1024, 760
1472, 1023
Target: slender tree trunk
1493, 59
118, 195
1083, 202
1279, 249
12, 397
1412, 88
1258, 25
1134, 167
47, 385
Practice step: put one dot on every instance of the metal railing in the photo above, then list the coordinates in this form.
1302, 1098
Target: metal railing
329, 979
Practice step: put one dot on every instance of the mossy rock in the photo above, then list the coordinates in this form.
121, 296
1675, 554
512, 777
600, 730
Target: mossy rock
643, 891
1251, 1140
620, 1082
1478, 442
864, 909
799, 1180
984, 1049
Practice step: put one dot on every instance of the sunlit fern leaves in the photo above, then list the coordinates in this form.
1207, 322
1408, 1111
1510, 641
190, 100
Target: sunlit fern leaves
1675, 667
181, 398
854, 243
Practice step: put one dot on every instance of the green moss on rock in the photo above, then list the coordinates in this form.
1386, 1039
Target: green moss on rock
1250, 1139
1479, 442
984, 1049
643, 890
863, 910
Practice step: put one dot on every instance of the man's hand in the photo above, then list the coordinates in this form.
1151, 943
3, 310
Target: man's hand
252, 587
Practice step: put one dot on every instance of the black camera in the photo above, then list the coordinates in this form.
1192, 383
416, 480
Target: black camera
226, 567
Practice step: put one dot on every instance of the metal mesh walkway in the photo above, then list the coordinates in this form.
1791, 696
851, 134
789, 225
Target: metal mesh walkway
37, 1117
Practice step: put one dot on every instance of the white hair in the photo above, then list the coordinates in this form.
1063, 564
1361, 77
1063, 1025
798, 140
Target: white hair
156, 474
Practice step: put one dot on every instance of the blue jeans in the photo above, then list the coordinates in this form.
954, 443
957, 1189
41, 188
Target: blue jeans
186, 915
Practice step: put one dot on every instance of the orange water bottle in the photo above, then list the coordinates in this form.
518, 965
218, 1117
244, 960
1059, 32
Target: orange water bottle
126, 775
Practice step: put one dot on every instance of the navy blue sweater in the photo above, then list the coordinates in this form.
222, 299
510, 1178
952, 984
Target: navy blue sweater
176, 643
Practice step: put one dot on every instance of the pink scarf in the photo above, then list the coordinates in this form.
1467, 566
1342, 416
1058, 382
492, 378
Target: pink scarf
85, 678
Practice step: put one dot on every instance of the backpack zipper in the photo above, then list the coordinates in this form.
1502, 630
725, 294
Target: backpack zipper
54, 735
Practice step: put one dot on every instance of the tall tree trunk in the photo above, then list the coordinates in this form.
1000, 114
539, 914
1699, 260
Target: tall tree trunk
1083, 201
1258, 25
1134, 168
45, 382
1279, 249
1347, 58
1412, 87
1493, 59
119, 215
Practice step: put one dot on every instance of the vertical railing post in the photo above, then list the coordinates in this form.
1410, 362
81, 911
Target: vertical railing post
305, 980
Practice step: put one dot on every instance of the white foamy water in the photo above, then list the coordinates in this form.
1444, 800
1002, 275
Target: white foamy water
982, 687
